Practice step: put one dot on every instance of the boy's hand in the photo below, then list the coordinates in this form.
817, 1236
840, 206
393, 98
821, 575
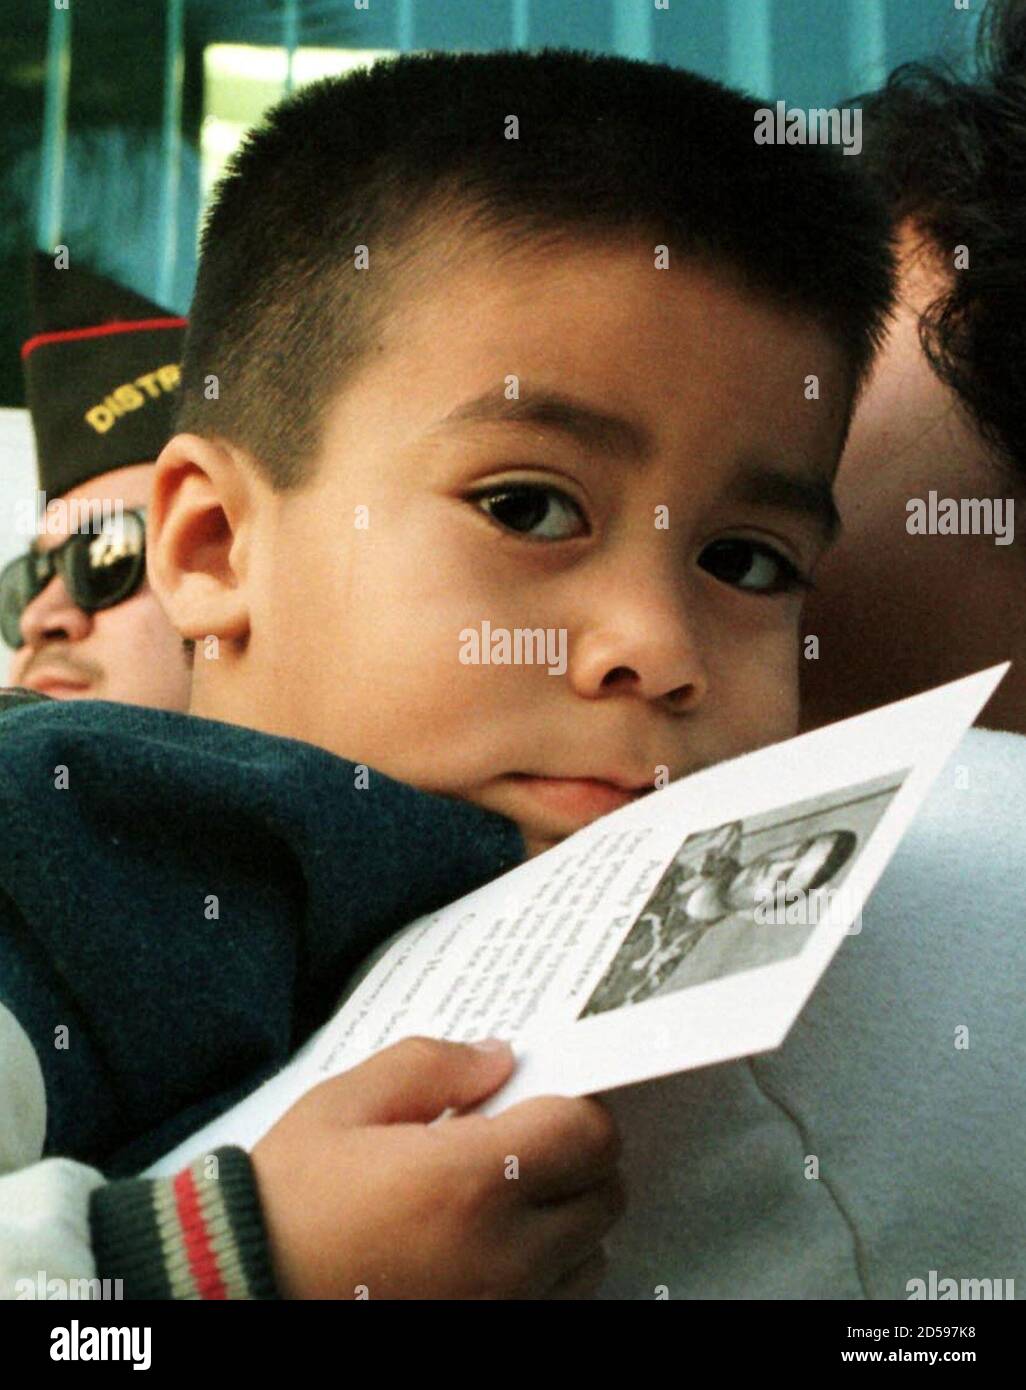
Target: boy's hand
360, 1191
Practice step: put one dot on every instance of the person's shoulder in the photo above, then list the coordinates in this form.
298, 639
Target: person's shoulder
98, 735
25, 714
13, 697
974, 817
941, 935
119, 744
134, 774
31, 722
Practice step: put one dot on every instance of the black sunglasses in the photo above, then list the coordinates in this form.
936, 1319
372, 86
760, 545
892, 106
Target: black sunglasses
98, 570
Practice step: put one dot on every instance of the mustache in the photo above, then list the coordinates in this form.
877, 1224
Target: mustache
57, 661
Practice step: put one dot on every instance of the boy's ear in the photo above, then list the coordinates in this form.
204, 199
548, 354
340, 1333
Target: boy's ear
197, 532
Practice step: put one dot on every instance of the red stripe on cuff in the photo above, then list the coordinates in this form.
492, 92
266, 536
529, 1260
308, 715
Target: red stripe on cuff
201, 1255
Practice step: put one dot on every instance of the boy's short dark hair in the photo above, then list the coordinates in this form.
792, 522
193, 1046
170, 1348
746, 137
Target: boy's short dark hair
391, 157
949, 155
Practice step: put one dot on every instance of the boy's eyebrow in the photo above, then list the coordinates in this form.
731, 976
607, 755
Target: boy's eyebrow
759, 483
808, 495
594, 429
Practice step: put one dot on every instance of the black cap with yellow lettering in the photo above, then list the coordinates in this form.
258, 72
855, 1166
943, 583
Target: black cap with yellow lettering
101, 375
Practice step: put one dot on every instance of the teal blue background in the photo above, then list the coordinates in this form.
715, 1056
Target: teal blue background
115, 212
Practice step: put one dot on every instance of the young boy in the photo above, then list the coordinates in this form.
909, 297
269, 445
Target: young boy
476, 339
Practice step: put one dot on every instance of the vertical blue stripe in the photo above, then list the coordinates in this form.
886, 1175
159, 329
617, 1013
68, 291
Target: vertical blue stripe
632, 28
55, 130
171, 147
289, 38
867, 43
750, 46
521, 20
404, 26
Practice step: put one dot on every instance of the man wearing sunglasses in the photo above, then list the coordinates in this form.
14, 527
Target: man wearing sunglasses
75, 607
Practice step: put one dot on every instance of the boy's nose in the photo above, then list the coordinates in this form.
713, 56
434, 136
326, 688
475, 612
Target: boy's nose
645, 645
52, 615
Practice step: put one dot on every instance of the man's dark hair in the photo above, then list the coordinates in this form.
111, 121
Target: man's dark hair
949, 155
413, 152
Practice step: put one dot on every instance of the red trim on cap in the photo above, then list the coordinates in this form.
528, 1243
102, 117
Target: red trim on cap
100, 330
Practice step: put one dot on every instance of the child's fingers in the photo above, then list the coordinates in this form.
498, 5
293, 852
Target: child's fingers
567, 1236
581, 1222
415, 1080
562, 1147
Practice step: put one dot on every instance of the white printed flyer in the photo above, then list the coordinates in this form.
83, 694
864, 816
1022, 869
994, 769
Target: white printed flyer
685, 929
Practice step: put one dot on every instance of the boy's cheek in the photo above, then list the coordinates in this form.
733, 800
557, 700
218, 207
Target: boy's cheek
753, 693
778, 717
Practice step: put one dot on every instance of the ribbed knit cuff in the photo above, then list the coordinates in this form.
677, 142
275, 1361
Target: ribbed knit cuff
190, 1236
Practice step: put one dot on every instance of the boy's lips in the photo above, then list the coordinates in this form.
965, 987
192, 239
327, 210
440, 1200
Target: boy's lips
577, 800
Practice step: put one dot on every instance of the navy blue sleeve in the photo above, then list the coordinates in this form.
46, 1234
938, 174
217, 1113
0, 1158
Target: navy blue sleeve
181, 902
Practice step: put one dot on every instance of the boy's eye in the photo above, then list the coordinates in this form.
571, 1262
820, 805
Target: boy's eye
752, 565
543, 513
